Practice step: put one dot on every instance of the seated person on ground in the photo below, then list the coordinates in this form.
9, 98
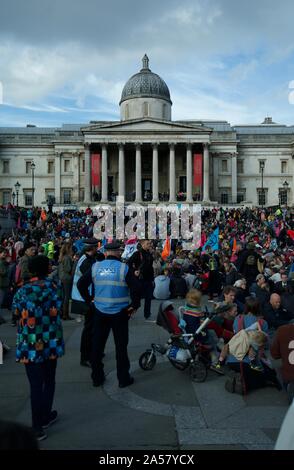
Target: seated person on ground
283, 348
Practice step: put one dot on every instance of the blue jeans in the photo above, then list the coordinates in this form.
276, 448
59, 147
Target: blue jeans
42, 382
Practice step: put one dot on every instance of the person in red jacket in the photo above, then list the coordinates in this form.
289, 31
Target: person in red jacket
221, 327
222, 322
283, 348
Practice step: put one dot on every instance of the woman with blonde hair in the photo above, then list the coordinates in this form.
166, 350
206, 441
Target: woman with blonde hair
65, 274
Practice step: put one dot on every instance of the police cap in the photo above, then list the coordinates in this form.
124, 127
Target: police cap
90, 242
114, 245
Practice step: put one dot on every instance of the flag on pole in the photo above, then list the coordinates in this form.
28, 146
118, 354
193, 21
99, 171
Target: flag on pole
166, 249
130, 248
234, 245
212, 241
290, 233
203, 238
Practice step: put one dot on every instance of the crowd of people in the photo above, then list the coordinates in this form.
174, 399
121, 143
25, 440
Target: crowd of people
52, 267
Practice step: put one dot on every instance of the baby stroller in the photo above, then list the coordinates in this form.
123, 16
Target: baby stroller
183, 350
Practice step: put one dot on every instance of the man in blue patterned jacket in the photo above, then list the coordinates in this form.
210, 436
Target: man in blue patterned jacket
39, 339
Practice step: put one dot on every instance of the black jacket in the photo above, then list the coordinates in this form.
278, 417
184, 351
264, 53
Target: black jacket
142, 260
280, 289
276, 318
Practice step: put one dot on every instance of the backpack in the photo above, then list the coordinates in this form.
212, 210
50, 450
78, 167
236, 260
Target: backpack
250, 261
212, 263
241, 323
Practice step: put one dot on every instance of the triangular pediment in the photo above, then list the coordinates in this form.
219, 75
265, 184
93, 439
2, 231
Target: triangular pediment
145, 125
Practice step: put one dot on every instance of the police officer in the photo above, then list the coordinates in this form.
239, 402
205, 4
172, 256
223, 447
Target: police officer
79, 306
113, 285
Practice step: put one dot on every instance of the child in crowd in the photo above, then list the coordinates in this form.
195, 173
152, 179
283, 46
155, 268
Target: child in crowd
193, 312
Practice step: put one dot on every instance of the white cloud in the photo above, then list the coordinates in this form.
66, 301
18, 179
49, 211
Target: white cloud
218, 58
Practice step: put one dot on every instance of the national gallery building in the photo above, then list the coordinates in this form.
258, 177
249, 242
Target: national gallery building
146, 156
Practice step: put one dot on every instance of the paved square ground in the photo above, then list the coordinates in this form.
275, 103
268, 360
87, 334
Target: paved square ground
162, 410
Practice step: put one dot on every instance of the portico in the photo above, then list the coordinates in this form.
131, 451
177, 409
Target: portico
146, 167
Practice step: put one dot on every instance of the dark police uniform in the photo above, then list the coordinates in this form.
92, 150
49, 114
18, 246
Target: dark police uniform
79, 306
113, 285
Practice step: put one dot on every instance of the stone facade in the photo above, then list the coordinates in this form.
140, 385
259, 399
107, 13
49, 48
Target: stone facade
147, 156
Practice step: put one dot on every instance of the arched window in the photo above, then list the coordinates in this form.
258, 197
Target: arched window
145, 109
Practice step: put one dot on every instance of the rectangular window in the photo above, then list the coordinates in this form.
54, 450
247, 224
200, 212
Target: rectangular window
241, 197
283, 196
50, 196
262, 196
224, 166
50, 167
67, 196
284, 167
6, 198
66, 166
240, 166
28, 167
28, 200
5, 166
83, 165
224, 198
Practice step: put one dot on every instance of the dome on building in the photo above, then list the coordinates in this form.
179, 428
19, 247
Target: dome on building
145, 84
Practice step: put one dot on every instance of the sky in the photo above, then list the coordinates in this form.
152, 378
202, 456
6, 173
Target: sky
66, 61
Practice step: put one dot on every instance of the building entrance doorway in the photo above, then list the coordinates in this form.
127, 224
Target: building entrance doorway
147, 189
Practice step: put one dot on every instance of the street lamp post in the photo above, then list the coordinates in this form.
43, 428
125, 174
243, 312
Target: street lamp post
262, 190
33, 166
13, 198
285, 186
17, 186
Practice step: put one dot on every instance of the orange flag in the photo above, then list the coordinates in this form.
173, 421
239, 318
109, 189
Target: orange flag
234, 245
166, 249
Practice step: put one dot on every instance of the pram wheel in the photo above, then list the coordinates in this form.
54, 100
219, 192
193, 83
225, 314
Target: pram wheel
147, 360
198, 371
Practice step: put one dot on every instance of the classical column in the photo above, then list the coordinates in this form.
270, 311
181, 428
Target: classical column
189, 170
104, 188
172, 173
206, 172
121, 170
87, 196
76, 176
57, 178
234, 178
138, 173
155, 172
